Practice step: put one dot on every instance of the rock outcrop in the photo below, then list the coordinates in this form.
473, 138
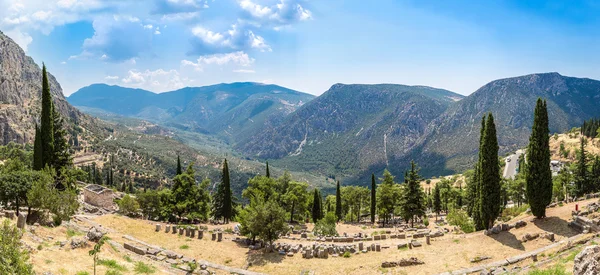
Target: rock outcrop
587, 262
20, 95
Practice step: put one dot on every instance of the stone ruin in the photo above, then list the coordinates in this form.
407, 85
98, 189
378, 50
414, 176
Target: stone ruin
504, 227
587, 262
99, 196
402, 262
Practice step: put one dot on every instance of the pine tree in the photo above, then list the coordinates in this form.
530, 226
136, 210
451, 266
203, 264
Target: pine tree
489, 186
581, 174
373, 198
178, 171
338, 202
268, 174
595, 174
47, 121
538, 176
412, 205
316, 209
37, 150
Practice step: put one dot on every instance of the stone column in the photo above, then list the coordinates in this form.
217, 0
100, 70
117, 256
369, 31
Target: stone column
213, 236
181, 231
21, 220
360, 246
174, 227
200, 234
378, 247
187, 231
167, 228
192, 233
428, 239
219, 236
158, 227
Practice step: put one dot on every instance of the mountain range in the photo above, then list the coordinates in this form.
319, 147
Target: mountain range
351, 131
230, 111
347, 133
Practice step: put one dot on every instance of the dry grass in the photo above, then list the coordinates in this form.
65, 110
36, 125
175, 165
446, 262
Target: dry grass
444, 254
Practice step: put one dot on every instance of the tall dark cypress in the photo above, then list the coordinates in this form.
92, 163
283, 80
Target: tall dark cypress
373, 198
581, 174
268, 174
490, 189
37, 150
47, 121
227, 200
538, 176
338, 202
179, 170
316, 209
474, 185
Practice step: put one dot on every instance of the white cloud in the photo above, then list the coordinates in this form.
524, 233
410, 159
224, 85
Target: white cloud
158, 80
117, 39
111, 77
238, 37
235, 58
149, 26
63, 63
283, 13
243, 71
170, 7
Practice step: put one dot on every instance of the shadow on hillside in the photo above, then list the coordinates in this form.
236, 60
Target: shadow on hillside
508, 239
555, 225
260, 259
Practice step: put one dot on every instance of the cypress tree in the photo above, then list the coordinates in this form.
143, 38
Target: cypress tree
373, 198
437, 201
338, 202
179, 170
268, 174
37, 150
474, 185
538, 176
489, 186
581, 177
227, 201
47, 121
316, 209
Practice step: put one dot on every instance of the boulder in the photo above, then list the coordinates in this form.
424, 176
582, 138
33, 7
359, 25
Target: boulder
402, 262
587, 262
95, 233
78, 242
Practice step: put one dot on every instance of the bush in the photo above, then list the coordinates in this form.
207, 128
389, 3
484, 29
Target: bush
346, 254
141, 267
13, 258
326, 226
426, 222
555, 270
460, 218
128, 206
509, 213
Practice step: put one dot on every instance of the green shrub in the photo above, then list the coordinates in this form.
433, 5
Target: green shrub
460, 218
555, 270
509, 213
143, 268
326, 226
426, 222
128, 206
347, 254
185, 246
112, 264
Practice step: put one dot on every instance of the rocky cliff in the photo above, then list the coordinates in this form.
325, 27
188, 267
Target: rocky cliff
20, 95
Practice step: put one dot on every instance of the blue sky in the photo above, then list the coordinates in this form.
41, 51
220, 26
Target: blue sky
307, 45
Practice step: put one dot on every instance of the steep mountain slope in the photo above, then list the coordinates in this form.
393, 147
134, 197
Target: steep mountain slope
229, 110
351, 129
20, 95
454, 135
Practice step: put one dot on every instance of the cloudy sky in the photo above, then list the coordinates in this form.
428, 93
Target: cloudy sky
307, 45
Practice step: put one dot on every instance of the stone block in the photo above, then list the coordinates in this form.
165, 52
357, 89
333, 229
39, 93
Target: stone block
21, 220
134, 249
158, 227
219, 236
167, 228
